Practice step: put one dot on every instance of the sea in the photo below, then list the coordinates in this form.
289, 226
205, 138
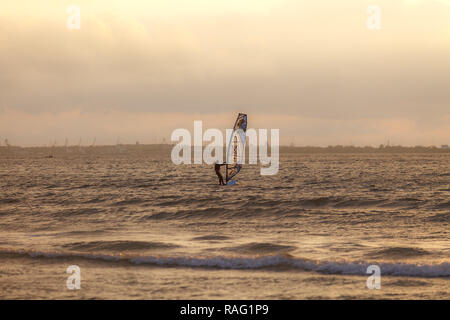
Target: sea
133, 225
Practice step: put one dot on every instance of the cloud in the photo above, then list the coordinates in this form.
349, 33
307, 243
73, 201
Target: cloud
313, 61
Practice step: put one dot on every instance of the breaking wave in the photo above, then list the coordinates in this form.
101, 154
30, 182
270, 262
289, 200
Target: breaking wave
279, 261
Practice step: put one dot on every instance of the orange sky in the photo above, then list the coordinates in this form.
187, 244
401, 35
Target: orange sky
139, 69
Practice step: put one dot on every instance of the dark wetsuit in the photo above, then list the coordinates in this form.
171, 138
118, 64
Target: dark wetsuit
217, 169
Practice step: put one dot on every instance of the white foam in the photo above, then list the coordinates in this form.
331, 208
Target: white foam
351, 268
221, 262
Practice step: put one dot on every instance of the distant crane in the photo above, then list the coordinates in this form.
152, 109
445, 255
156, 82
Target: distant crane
66, 145
79, 145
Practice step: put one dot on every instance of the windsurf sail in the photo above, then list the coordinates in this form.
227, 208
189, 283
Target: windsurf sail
236, 147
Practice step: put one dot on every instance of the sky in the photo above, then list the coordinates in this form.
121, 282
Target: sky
137, 70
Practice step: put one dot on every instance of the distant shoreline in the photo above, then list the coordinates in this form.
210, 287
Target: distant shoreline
352, 149
283, 149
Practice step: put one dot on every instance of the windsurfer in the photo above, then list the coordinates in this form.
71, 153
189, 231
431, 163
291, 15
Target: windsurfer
217, 169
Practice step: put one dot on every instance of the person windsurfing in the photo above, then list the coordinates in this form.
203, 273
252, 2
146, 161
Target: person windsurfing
217, 169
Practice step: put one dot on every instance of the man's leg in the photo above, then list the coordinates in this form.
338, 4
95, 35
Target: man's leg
220, 178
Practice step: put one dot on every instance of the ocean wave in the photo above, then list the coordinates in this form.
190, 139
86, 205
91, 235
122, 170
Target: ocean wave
440, 217
95, 200
132, 201
398, 252
121, 245
445, 174
258, 247
182, 208
283, 261
211, 238
443, 205
9, 200
273, 207
69, 212
335, 202
186, 214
